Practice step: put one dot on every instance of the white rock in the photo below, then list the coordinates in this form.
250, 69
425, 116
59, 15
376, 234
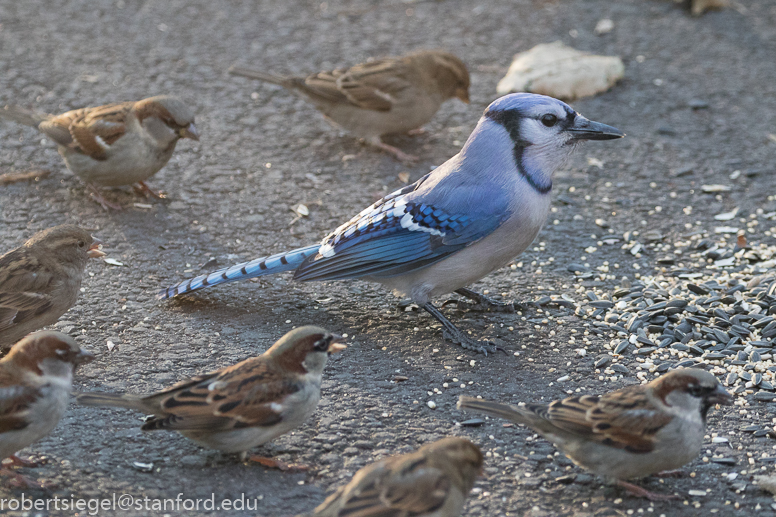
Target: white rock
767, 483
709, 189
431, 404
604, 26
112, 262
557, 70
726, 216
697, 493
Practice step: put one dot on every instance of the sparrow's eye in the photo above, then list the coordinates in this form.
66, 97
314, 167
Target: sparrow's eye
322, 344
696, 391
549, 119
81, 244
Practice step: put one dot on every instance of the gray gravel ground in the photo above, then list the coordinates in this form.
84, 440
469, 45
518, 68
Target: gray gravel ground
263, 151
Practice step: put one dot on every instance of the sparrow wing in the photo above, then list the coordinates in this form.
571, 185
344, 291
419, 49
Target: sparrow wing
624, 419
15, 400
402, 486
371, 86
90, 131
17, 308
24, 287
250, 393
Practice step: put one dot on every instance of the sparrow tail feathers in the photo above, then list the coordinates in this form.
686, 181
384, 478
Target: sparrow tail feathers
23, 116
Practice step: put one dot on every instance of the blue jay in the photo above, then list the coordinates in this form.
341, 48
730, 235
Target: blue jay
468, 217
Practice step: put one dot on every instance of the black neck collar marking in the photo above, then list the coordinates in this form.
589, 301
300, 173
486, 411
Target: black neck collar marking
509, 120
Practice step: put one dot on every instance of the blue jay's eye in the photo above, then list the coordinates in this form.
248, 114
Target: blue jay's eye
549, 120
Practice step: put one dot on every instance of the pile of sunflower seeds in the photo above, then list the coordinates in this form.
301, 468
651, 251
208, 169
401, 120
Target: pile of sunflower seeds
721, 315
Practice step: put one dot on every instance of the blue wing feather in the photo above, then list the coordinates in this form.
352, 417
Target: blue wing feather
400, 233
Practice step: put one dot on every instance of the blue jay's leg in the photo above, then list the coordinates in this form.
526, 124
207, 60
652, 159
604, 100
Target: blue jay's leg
456, 335
485, 303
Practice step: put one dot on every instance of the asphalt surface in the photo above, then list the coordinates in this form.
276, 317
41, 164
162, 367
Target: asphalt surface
697, 102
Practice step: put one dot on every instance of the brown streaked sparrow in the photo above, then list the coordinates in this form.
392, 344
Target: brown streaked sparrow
35, 381
430, 482
116, 144
390, 95
40, 280
629, 433
237, 408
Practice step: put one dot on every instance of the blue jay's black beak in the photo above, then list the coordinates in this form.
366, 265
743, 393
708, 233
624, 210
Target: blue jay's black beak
584, 129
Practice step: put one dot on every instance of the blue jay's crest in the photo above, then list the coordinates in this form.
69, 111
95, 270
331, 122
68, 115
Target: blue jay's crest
525, 103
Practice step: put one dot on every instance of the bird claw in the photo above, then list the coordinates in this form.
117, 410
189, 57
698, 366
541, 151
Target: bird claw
16, 461
142, 188
417, 131
105, 204
671, 474
276, 464
489, 305
20, 481
481, 347
643, 492
394, 151
485, 303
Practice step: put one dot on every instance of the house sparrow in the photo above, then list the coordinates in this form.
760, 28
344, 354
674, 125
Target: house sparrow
390, 95
116, 144
629, 433
40, 280
237, 408
35, 382
430, 482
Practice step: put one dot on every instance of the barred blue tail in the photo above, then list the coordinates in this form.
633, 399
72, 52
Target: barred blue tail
279, 263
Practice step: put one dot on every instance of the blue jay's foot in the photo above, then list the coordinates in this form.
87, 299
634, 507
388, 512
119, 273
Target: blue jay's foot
456, 335
484, 303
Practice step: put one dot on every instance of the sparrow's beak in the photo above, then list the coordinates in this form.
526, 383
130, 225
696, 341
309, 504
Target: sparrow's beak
463, 94
720, 396
336, 344
189, 131
584, 129
83, 357
94, 249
